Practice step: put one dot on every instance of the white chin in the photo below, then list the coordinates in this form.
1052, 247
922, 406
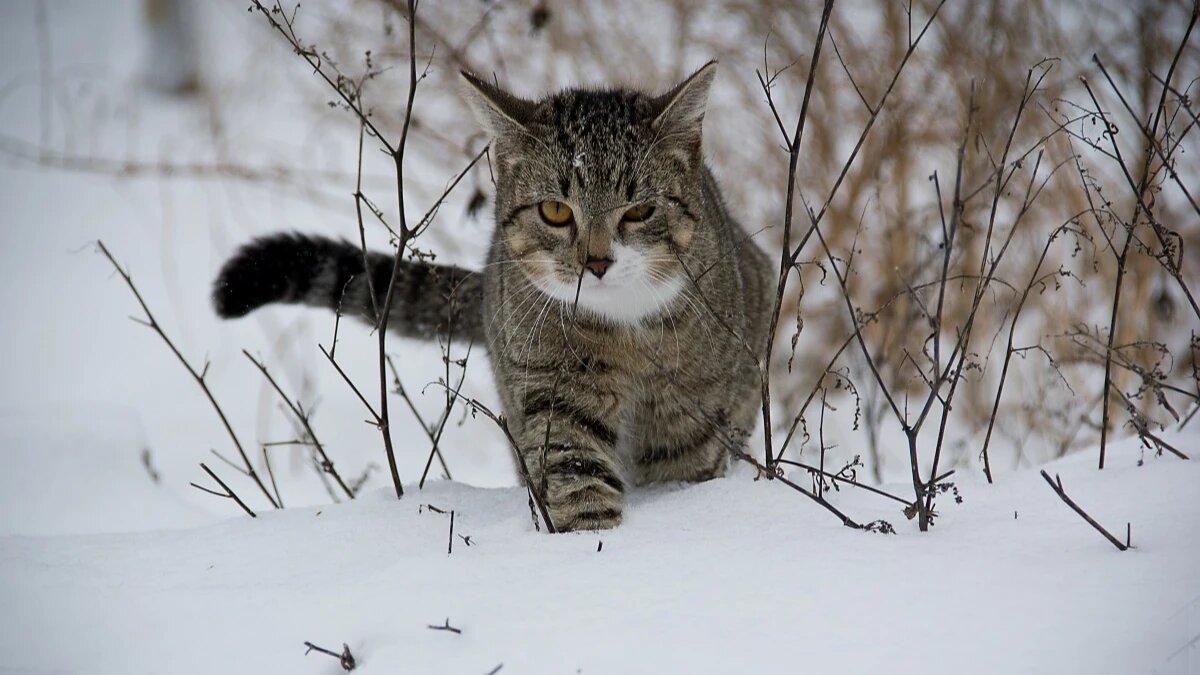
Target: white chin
623, 303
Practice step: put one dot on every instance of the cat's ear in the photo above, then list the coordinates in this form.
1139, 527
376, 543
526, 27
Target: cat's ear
498, 111
682, 109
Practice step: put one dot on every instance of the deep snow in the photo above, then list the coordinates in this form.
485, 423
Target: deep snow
735, 575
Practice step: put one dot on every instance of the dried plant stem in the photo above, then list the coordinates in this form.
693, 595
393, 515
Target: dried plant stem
283, 24
302, 417
738, 453
1056, 485
1009, 351
1112, 330
790, 254
536, 497
1153, 145
229, 493
404, 235
198, 377
345, 659
862, 137
785, 261
433, 435
1139, 193
811, 394
271, 476
436, 437
285, 27
836, 478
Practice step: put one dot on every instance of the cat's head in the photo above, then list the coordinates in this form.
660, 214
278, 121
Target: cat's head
599, 193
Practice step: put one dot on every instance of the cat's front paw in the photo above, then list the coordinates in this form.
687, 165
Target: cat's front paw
568, 521
584, 491
582, 503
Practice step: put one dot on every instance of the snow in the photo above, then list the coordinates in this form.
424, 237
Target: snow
103, 569
735, 575
78, 469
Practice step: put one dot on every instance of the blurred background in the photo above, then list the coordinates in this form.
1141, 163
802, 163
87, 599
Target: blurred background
176, 130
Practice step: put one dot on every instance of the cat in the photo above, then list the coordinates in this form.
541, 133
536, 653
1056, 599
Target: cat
624, 309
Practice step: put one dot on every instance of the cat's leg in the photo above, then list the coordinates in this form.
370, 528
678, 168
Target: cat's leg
565, 423
685, 433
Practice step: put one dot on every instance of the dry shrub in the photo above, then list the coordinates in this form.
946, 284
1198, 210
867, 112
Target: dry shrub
1063, 193
886, 214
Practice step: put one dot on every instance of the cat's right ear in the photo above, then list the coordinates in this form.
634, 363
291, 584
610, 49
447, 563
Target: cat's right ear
499, 112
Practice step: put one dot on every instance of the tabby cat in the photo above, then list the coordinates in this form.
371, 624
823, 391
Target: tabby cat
624, 309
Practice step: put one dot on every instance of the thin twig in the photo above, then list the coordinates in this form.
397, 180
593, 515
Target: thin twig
345, 659
785, 260
229, 493
302, 417
446, 625
846, 520
433, 436
284, 26
536, 497
1056, 485
436, 437
835, 478
198, 376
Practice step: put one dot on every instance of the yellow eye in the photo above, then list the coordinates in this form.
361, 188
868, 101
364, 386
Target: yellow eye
555, 213
638, 213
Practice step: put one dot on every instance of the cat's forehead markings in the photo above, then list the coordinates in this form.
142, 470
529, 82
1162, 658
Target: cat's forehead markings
559, 106
600, 137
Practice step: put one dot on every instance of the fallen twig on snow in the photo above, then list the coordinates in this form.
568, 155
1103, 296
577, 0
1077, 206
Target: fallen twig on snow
1056, 485
345, 659
446, 627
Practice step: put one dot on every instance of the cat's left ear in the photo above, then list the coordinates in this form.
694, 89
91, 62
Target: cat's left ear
498, 111
681, 110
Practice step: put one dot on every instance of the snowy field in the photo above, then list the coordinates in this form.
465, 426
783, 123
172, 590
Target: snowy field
726, 577
111, 563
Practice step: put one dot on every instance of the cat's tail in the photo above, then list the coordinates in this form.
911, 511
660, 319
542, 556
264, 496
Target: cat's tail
428, 301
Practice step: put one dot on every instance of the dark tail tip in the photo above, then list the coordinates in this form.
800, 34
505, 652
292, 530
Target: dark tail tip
243, 284
277, 268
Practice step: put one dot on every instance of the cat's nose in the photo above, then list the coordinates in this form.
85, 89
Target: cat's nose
598, 266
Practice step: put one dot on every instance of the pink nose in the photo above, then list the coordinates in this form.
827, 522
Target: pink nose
598, 266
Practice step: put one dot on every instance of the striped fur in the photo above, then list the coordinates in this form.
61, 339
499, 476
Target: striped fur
643, 372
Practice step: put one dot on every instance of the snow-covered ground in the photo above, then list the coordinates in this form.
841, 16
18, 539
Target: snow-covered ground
104, 569
730, 576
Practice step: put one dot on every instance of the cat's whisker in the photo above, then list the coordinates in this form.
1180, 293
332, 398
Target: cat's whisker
534, 333
510, 312
662, 330
687, 294
528, 307
499, 263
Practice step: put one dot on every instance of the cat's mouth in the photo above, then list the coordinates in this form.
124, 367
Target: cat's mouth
624, 294
627, 303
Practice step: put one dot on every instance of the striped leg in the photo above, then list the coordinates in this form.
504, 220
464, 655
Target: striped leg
568, 438
677, 440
